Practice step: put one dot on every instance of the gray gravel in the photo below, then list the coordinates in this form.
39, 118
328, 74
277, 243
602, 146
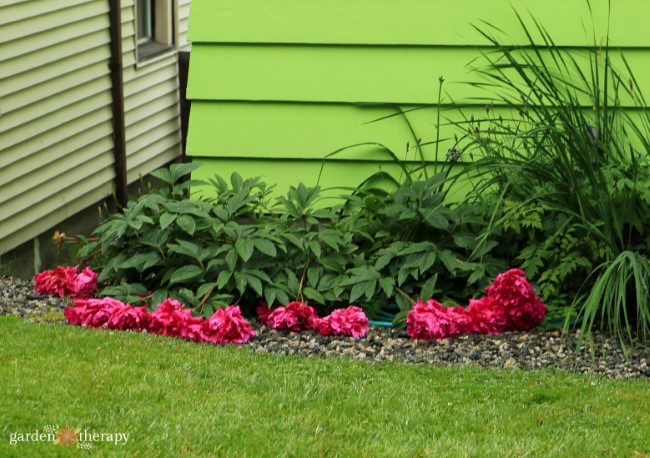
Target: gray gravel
522, 350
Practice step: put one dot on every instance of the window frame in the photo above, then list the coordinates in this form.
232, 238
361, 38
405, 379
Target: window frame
164, 30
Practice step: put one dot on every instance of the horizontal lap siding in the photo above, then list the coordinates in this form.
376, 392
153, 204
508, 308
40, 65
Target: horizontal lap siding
56, 135
55, 114
280, 85
151, 94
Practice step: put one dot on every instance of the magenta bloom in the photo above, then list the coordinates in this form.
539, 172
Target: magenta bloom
523, 308
84, 284
431, 320
65, 281
487, 316
169, 318
93, 313
58, 281
129, 318
294, 317
350, 321
227, 326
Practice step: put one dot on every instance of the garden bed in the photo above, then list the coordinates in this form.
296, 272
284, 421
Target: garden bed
531, 350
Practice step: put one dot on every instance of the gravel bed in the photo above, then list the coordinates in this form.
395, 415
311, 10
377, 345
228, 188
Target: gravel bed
524, 350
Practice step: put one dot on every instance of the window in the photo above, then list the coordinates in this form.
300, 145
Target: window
154, 21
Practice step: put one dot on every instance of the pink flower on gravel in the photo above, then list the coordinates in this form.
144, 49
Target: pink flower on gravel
227, 325
294, 317
350, 321
523, 308
65, 281
487, 316
431, 320
58, 281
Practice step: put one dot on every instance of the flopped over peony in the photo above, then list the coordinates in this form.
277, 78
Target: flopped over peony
84, 284
350, 321
93, 313
129, 318
431, 320
66, 281
295, 316
486, 316
523, 308
169, 318
227, 326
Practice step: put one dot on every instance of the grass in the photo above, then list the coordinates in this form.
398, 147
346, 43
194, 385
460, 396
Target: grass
177, 398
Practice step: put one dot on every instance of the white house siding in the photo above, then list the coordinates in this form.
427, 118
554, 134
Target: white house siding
56, 145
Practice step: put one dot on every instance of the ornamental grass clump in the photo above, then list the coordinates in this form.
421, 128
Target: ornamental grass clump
563, 156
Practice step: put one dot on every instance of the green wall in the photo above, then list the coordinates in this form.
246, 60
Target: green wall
278, 85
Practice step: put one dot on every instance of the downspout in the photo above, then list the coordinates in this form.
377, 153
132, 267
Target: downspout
117, 90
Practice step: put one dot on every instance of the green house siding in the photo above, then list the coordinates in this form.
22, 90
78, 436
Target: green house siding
278, 86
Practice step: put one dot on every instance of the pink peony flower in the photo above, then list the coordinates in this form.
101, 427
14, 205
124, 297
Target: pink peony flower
487, 316
84, 284
430, 320
350, 321
294, 317
129, 318
169, 318
193, 329
93, 313
227, 326
58, 281
65, 281
523, 308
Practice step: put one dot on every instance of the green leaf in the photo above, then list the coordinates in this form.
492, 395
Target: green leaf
266, 247
357, 291
387, 284
384, 260
449, 259
245, 248
186, 248
313, 274
370, 289
311, 293
241, 282
166, 219
163, 175
158, 297
185, 273
141, 261
314, 246
204, 289
437, 221
177, 171
186, 222
231, 259
223, 278
476, 275
256, 284
269, 296
429, 287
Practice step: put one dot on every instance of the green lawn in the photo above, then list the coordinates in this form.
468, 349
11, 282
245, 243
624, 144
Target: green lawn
177, 398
